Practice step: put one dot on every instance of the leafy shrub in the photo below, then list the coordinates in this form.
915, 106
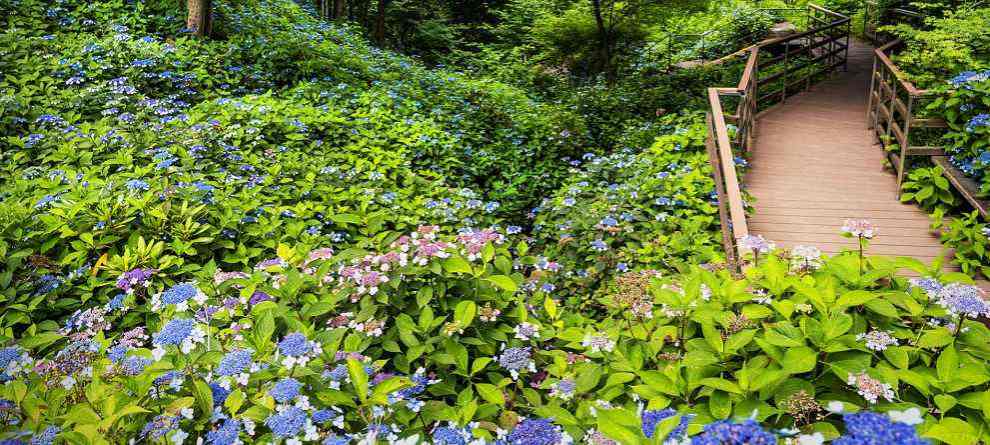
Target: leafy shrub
628, 211
970, 239
953, 44
929, 189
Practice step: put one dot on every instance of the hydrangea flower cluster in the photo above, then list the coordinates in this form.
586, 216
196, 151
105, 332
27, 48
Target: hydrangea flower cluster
870, 388
859, 228
536, 432
650, 420
726, 432
877, 340
868, 428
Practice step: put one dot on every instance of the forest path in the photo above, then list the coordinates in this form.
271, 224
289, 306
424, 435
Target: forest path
815, 164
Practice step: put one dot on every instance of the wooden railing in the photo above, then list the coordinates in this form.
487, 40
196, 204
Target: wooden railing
892, 105
892, 113
793, 62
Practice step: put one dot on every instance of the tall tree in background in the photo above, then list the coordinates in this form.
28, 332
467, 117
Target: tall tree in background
200, 17
339, 10
378, 32
609, 16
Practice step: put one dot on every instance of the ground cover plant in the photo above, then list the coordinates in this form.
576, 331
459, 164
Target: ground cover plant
287, 235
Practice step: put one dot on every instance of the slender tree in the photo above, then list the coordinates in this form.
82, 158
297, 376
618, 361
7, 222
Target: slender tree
379, 29
200, 18
339, 10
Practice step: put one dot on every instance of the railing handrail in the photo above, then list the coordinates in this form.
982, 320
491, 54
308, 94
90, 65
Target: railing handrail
881, 54
732, 210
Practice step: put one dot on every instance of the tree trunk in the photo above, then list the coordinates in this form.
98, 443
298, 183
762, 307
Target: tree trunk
379, 33
200, 18
604, 44
339, 10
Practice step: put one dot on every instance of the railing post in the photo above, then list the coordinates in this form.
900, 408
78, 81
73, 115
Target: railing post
723, 211
872, 90
905, 143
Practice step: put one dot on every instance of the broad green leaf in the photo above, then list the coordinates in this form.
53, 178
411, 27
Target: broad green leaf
359, 378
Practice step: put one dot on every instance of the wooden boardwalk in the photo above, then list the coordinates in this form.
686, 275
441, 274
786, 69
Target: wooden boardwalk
815, 164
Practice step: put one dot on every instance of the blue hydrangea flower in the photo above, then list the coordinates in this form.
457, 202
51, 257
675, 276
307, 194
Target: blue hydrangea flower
295, 345
159, 426
323, 416
725, 432
515, 359
451, 435
334, 439
868, 428
226, 434
650, 419
179, 293
174, 332
219, 394
137, 185
534, 432
287, 423
980, 120
46, 437
134, 365
285, 390
234, 362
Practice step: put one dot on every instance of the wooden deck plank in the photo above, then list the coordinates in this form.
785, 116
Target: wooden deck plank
815, 163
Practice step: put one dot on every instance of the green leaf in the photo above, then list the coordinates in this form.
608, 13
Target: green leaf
359, 378
944, 402
897, 356
855, 298
456, 264
722, 384
204, 396
611, 423
799, 360
935, 338
234, 401
464, 313
503, 282
836, 325
491, 393
947, 364
39, 341
719, 405
883, 307
952, 431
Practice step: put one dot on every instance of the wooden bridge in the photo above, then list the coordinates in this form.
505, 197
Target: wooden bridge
801, 115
